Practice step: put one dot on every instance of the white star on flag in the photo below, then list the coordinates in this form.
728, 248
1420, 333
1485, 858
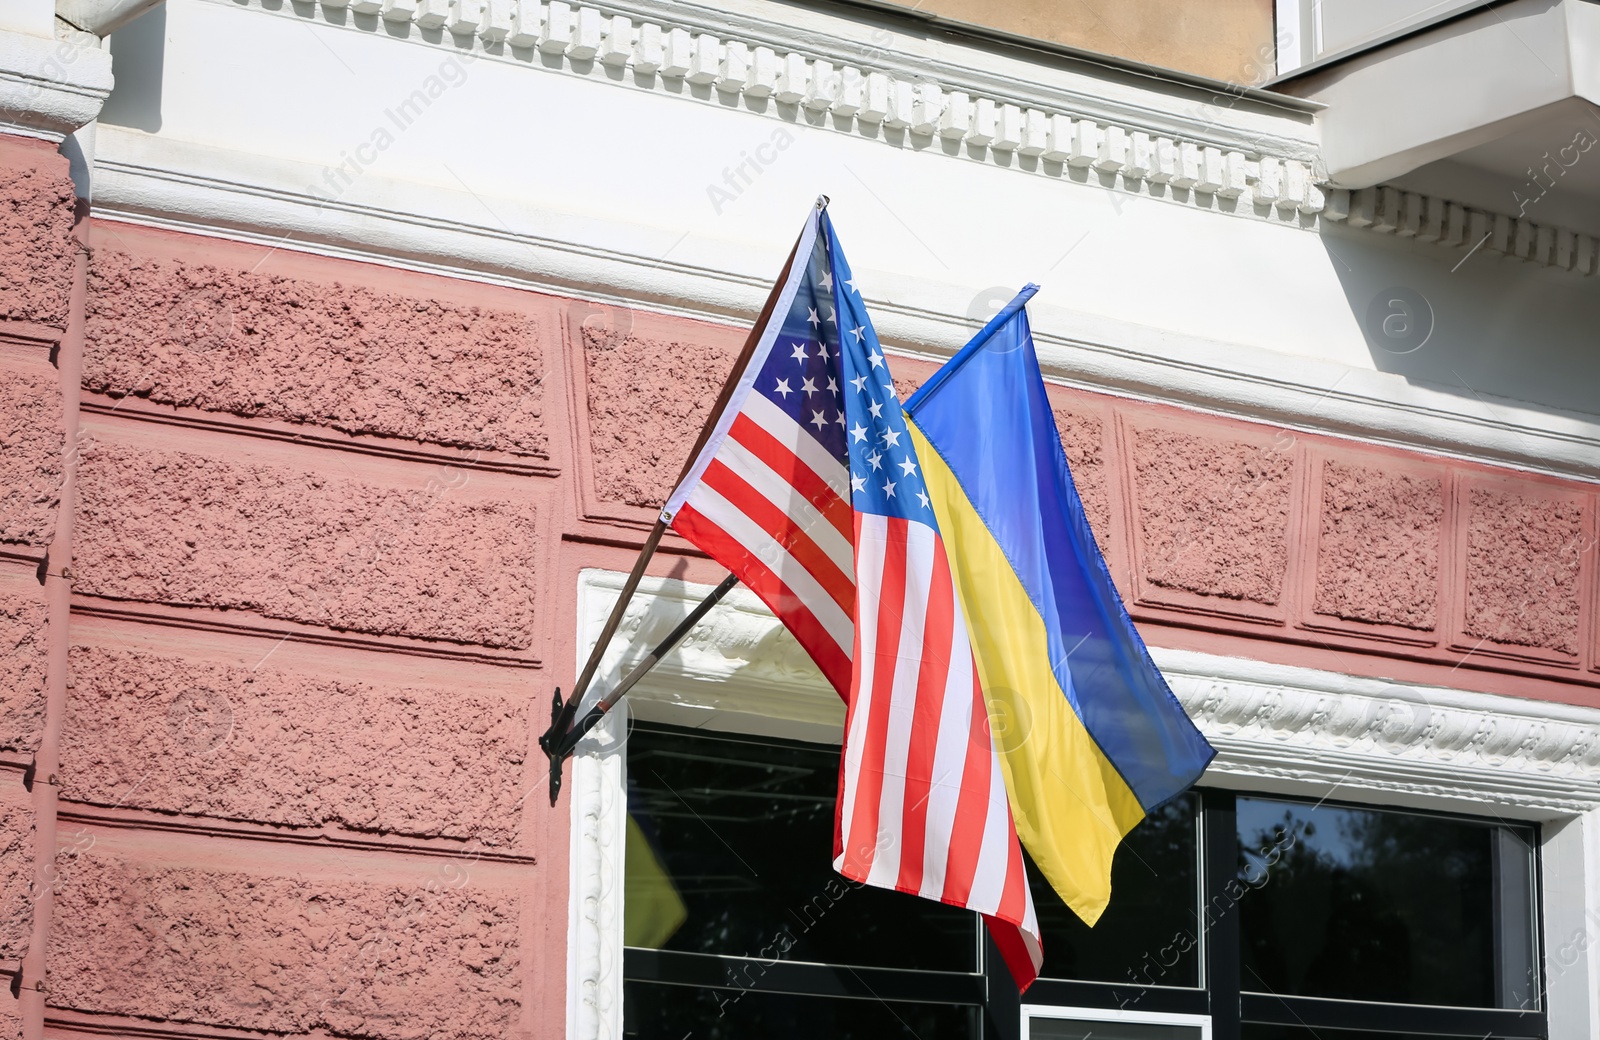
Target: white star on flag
888, 488
818, 420
875, 460
859, 432
907, 466
808, 386
783, 388
891, 438
858, 483
799, 352
876, 359
860, 383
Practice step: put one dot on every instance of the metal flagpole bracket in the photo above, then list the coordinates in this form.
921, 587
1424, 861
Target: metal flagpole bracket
559, 741
562, 736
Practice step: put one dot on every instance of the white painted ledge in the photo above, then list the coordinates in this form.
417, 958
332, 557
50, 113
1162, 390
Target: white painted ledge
49, 88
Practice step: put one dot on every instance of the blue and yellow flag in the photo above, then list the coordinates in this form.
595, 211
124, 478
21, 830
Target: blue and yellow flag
1090, 737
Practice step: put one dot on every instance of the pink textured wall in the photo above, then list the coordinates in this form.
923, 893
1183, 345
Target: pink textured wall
1524, 554
18, 855
163, 526
647, 390
165, 732
1378, 559
40, 272
1213, 514
22, 661
344, 356
315, 585
36, 218
30, 453
288, 951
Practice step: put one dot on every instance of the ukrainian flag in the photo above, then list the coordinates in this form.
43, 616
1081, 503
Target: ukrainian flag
1090, 737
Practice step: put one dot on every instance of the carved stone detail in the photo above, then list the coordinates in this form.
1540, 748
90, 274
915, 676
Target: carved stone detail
1197, 161
1265, 720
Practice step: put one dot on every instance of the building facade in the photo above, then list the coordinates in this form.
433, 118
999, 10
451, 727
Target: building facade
350, 348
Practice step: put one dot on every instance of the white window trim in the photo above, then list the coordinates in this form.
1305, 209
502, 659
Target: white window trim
1035, 1012
1276, 729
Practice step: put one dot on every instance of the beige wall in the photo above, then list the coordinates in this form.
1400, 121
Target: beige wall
1225, 39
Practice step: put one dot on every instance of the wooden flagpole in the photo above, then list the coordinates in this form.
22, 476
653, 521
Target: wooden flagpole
558, 741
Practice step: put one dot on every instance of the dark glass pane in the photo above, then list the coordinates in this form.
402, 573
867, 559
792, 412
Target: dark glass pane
657, 1012
1087, 1029
1148, 933
731, 851
1257, 1032
1367, 904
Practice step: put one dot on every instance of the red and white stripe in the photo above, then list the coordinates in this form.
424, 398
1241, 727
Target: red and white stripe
772, 507
922, 803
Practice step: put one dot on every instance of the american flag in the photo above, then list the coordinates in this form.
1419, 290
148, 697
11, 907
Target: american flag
808, 490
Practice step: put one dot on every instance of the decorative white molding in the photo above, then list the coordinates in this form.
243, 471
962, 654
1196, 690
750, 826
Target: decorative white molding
49, 88
1426, 218
597, 787
1195, 151
1277, 724
1274, 726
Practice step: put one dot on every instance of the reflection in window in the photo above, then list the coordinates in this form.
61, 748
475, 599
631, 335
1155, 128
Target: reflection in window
1089, 1029
1366, 904
1148, 935
1303, 1032
733, 858
673, 1012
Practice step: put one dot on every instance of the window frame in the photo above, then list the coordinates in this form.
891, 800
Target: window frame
1222, 999
1354, 747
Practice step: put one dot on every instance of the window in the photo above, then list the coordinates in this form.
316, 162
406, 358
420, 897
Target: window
1236, 917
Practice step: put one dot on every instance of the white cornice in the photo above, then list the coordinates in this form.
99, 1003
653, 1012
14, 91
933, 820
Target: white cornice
1276, 728
1223, 151
49, 88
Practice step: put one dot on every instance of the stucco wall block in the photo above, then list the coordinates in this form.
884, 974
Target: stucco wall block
287, 954
350, 358
31, 440
179, 528
1378, 551
36, 246
650, 388
17, 860
151, 731
1213, 514
23, 623
1083, 438
1522, 569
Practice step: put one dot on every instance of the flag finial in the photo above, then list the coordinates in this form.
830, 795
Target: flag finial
822, 202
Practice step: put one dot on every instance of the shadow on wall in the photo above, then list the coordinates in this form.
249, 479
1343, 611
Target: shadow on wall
1483, 325
138, 53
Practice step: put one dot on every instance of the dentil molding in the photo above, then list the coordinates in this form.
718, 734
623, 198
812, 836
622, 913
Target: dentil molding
1187, 146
